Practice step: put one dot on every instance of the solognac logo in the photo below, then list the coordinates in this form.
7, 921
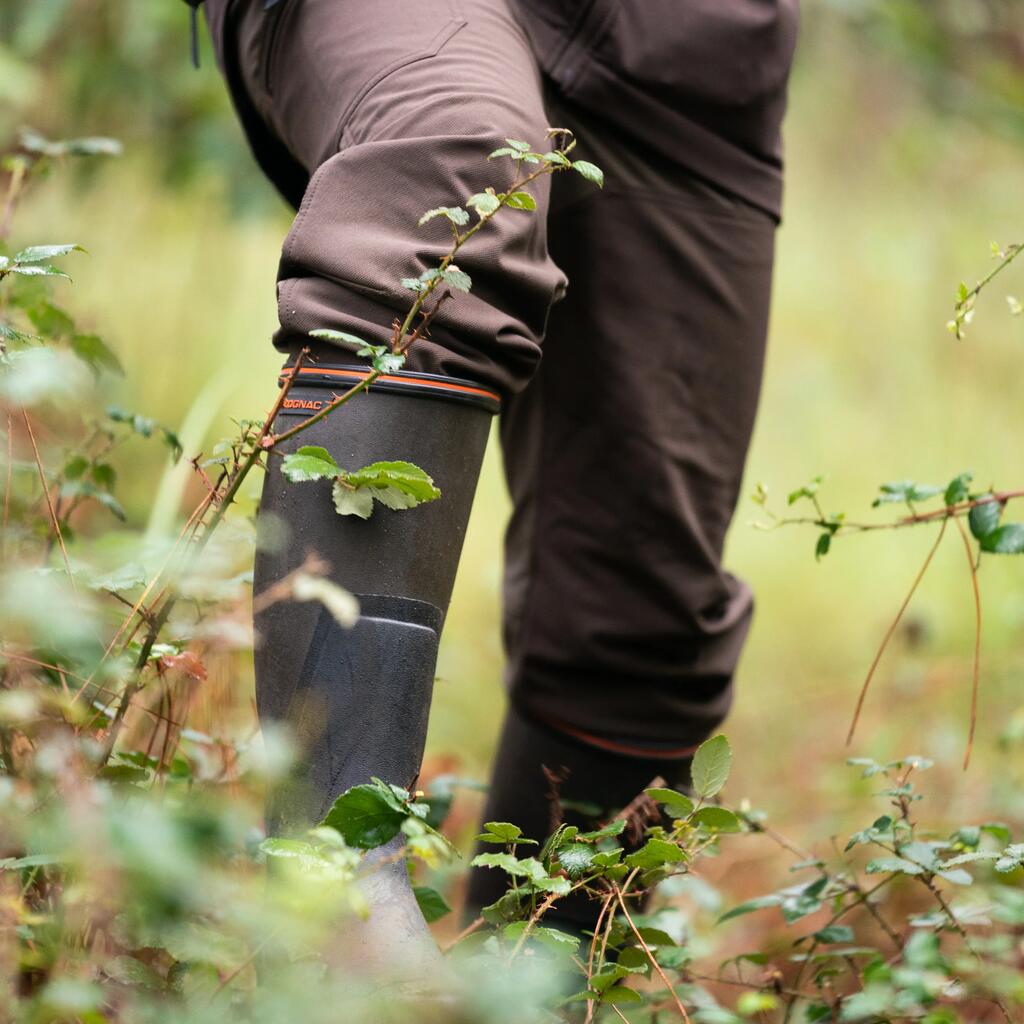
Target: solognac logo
304, 404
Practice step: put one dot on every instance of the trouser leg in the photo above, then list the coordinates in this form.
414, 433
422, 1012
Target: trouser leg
368, 114
388, 109
624, 458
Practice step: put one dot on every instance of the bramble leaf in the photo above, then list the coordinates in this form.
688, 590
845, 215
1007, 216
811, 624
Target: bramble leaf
458, 279
759, 903
711, 766
484, 202
678, 805
341, 338
520, 201
1007, 539
655, 853
367, 815
576, 858
349, 502
589, 171
983, 519
310, 462
893, 865
94, 352
958, 489
39, 253
905, 491
456, 214
432, 904
403, 477
717, 819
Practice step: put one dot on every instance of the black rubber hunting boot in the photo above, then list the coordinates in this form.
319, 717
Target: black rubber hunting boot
357, 699
543, 777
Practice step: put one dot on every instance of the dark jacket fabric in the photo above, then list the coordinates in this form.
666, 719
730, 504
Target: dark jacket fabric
703, 80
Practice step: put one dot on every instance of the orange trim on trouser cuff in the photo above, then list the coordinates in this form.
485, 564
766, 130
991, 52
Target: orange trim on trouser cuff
426, 382
672, 753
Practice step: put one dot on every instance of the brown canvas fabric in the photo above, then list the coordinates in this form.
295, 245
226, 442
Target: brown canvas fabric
624, 446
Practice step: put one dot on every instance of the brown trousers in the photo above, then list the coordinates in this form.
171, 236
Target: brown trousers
624, 447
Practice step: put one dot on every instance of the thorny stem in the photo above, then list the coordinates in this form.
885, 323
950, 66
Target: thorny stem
266, 441
963, 305
946, 512
49, 502
891, 630
160, 618
544, 906
649, 954
976, 674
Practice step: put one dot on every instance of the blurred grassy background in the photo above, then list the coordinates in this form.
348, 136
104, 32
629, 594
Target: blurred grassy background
904, 161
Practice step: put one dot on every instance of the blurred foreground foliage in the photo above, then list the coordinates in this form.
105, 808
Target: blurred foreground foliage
133, 878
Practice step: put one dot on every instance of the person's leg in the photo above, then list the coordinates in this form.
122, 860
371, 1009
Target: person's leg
624, 458
387, 109
367, 114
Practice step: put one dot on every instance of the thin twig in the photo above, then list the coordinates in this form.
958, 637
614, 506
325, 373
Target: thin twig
976, 674
650, 954
891, 630
465, 933
49, 503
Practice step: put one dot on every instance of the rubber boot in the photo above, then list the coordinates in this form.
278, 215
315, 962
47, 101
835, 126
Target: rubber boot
357, 700
541, 778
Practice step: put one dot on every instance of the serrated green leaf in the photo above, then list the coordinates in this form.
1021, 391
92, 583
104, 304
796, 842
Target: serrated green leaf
983, 519
893, 865
576, 858
9, 333
518, 144
365, 817
958, 489
38, 253
458, 279
759, 903
484, 203
520, 201
620, 995
50, 320
94, 352
613, 828
677, 804
554, 157
834, 933
1007, 539
403, 477
388, 362
456, 214
36, 270
560, 942
432, 904
350, 502
717, 819
310, 462
340, 338
126, 577
655, 853
589, 171
711, 765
